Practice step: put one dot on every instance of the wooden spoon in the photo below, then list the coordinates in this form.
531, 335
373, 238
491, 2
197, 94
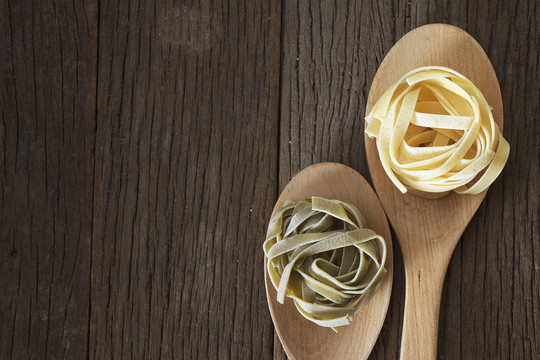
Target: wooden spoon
428, 230
301, 338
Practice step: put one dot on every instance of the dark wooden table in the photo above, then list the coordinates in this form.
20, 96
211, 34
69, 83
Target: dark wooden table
144, 144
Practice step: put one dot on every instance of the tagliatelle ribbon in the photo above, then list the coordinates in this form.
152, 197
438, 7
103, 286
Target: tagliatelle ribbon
321, 254
435, 133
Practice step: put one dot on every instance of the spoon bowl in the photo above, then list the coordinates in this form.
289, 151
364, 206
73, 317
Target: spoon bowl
301, 338
428, 229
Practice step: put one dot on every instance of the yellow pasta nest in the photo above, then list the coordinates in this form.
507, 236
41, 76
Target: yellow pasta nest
435, 133
321, 254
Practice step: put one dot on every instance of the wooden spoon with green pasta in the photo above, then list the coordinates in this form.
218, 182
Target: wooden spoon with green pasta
428, 229
301, 338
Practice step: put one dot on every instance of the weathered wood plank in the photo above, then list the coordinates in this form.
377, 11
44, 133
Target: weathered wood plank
330, 55
186, 177
190, 156
47, 111
500, 253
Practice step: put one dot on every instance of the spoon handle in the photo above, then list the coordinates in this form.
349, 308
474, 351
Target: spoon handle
424, 283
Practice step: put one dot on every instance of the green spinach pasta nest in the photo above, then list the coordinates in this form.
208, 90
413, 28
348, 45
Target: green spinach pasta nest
322, 255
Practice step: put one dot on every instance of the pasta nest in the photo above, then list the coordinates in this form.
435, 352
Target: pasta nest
435, 133
322, 255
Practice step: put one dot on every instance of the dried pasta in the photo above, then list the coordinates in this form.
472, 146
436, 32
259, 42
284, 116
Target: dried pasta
435, 133
321, 255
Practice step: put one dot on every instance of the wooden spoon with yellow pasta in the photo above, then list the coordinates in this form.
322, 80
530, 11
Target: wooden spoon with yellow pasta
316, 282
434, 145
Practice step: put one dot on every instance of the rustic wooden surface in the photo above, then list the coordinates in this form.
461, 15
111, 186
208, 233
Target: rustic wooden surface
144, 144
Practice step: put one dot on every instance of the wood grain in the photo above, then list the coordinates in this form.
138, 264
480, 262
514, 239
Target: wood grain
145, 143
186, 167
48, 76
316, 35
499, 250
330, 54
